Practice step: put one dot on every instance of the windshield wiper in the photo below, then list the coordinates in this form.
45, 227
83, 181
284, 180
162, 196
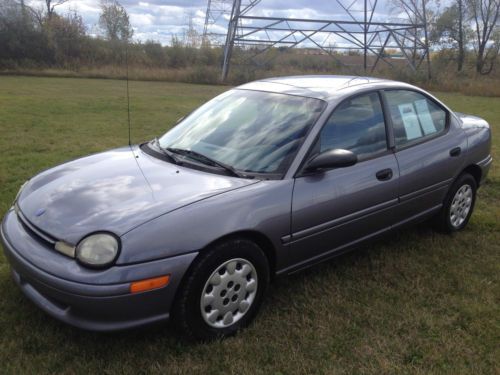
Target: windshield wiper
166, 152
206, 160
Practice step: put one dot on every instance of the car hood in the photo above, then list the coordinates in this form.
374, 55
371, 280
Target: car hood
114, 191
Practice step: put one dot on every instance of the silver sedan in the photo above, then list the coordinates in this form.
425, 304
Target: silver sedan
263, 180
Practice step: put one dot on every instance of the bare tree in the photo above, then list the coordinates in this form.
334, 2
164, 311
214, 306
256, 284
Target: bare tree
51, 5
36, 12
43, 11
485, 17
416, 11
191, 36
461, 47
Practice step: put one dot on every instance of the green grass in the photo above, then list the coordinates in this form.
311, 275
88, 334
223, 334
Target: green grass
417, 302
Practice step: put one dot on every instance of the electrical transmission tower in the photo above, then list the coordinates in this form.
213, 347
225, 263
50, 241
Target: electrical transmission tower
218, 11
357, 28
217, 17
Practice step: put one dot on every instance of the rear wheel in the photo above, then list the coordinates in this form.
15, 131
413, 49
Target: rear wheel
458, 205
223, 290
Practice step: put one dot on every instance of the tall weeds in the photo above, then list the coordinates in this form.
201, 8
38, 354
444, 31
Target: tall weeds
200, 66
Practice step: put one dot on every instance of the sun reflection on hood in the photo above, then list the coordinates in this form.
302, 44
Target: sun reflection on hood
114, 191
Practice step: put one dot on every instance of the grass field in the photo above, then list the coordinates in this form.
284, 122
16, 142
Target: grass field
417, 302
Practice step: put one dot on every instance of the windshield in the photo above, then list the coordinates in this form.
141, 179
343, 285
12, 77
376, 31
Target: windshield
251, 131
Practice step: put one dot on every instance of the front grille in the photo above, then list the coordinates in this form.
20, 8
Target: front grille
33, 231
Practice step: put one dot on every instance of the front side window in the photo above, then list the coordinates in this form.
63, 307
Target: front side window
251, 131
357, 125
414, 116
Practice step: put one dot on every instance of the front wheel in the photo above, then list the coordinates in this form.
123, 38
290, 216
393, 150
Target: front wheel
223, 290
458, 205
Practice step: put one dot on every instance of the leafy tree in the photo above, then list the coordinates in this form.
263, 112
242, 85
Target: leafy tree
114, 20
21, 36
67, 36
155, 53
451, 30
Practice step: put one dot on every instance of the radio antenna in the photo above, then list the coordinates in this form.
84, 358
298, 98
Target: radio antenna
128, 93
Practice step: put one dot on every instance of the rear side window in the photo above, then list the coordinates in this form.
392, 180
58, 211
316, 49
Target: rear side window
414, 116
357, 125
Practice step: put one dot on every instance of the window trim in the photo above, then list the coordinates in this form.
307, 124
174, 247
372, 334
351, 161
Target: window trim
300, 170
389, 128
420, 140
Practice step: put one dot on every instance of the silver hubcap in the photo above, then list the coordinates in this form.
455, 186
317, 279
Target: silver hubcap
228, 293
460, 205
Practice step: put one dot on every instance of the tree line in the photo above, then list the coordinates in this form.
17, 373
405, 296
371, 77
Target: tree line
466, 33
469, 25
40, 37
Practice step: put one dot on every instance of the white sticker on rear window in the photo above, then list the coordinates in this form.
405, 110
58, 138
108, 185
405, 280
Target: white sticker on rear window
410, 121
425, 117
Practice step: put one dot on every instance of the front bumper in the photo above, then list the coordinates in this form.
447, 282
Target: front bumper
100, 300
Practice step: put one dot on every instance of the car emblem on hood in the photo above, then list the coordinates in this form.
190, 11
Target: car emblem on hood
39, 212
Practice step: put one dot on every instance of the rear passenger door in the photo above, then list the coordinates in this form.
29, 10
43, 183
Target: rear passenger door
428, 149
341, 206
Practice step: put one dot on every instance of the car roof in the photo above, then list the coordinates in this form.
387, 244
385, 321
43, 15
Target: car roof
316, 86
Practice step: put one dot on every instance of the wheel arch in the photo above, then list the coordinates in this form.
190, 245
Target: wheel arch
475, 171
258, 238
180, 298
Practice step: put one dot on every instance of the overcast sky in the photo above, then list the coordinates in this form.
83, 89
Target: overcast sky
160, 19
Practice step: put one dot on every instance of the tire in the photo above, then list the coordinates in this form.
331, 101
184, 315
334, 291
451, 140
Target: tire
458, 205
222, 291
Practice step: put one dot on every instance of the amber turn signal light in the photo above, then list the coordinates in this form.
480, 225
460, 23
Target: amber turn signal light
149, 284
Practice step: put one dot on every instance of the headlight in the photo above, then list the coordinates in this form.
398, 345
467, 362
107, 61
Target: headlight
98, 250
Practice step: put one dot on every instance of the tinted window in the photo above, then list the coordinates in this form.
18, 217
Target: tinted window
357, 125
414, 116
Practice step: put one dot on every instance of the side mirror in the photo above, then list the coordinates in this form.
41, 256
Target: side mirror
337, 158
180, 119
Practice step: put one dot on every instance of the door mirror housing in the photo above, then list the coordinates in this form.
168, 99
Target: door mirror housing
337, 158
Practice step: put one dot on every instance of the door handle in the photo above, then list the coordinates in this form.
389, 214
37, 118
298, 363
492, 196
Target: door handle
455, 151
384, 174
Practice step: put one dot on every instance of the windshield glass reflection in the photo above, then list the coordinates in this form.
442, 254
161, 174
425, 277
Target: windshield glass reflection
251, 131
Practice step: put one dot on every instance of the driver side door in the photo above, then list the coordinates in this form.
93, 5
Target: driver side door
337, 208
